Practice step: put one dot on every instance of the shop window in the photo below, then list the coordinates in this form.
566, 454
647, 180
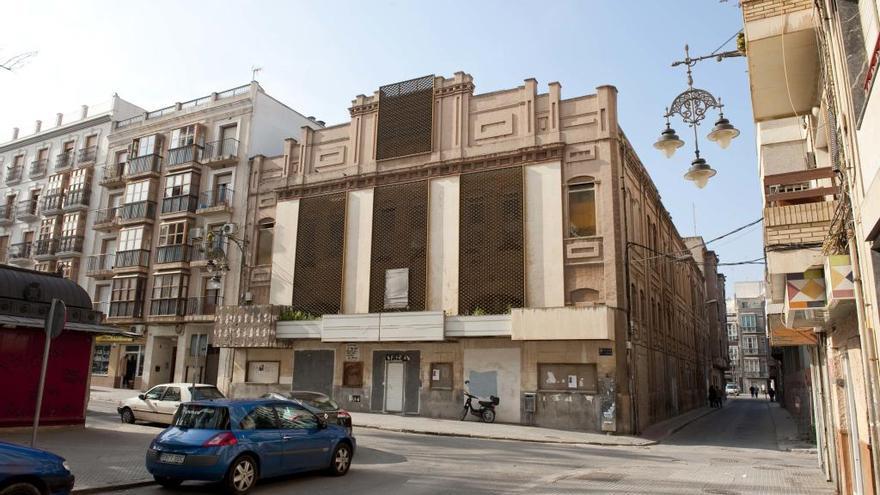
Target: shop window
582, 209
353, 374
101, 360
441, 376
570, 377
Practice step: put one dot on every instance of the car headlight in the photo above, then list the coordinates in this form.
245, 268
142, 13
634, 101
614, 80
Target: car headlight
65, 465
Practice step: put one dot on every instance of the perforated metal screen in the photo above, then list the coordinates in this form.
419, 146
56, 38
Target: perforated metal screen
317, 277
405, 118
400, 236
491, 267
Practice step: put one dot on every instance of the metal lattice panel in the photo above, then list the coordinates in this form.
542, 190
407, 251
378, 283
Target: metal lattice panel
400, 237
405, 118
491, 267
317, 279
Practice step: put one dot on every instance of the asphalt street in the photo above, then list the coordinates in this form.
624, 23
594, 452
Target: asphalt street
732, 451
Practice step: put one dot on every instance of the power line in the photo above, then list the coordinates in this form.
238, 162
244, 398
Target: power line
722, 236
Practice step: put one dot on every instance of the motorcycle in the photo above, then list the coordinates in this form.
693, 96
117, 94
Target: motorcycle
486, 411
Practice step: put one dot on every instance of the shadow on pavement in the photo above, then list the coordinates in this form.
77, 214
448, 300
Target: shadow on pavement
743, 422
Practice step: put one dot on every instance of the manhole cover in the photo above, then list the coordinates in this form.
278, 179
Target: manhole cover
600, 477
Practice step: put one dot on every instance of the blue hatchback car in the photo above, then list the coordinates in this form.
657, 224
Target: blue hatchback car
27, 471
237, 442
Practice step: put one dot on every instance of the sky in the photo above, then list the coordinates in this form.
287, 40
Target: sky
317, 55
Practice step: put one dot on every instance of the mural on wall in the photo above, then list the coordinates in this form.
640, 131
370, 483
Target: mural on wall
839, 278
805, 290
607, 404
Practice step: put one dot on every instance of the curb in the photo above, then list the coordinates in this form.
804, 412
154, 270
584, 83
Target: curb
644, 443
683, 425
113, 488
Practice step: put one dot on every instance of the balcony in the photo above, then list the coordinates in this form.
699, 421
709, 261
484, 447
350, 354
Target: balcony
7, 214
53, 204
216, 201
28, 210
132, 260
751, 351
112, 176
70, 245
100, 266
220, 153
202, 308
199, 257
44, 249
20, 253
184, 203
78, 199
102, 307
38, 168
13, 175
140, 212
175, 253
126, 310
183, 157
63, 161
106, 219
143, 166
87, 156
174, 307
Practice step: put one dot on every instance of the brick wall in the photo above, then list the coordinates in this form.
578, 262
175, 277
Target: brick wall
754, 10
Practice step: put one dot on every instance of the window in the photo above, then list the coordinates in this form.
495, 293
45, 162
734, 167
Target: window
125, 297
101, 360
121, 158
183, 136
155, 393
144, 146
17, 161
733, 352
172, 394
572, 377
198, 345
172, 234
137, 191
353, 374
131, 239
4, 246
750, 344
264, 241
202, 417
77, 190
731, 330
291, 417
47, 228
748, 321
260, 418
441, 376
751, 365
170, 286
137, 352
177, 185
70, 225
582, 209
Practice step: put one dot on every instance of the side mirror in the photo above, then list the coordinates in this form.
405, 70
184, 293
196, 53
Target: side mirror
142, 396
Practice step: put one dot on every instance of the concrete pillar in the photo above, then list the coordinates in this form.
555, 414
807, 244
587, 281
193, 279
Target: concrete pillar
443, 243
58, 118
284, 252
37, 126
544, 234
358, 251
84, 112
14, 133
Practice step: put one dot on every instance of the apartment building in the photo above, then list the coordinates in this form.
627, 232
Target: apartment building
47, 183
734, 372
812, 67
444, 240
751, 324
715, 311
171, 181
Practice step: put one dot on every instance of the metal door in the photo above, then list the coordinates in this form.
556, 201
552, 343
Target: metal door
394, 387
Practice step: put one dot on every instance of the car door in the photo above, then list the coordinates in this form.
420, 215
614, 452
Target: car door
259, 431
166, 407
306, 444
146, 409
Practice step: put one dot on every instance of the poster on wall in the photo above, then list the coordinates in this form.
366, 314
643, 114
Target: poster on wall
352, 352
262, 371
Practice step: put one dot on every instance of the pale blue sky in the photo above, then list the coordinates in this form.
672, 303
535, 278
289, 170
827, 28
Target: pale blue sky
316, 56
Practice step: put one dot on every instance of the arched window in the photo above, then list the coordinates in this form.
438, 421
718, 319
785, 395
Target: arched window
265, 234
581, 208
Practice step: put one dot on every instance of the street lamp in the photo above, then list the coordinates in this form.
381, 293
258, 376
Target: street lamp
691, 106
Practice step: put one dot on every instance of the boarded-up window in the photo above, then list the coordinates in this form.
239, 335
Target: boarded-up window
405, 118
573, 377
491, 271
581, 209
353, 374
317, 280
441, 376
400, 237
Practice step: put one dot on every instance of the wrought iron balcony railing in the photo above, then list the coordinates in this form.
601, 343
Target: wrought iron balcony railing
175, 253
29, 209
184, 154
45, 247
143, 164
176, 204
70, 244
78, 198
38, 168
87, 155
20, 250
106, 215
13, 174
132, 258
217, 197
223, 149
137, 211
63, 160
100, 262
175, 306
205, 305
126, 309
53, 203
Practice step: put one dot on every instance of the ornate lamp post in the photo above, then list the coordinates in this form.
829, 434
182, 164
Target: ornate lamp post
691, 106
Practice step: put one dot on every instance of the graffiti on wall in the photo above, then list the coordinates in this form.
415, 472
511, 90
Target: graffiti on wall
607, 404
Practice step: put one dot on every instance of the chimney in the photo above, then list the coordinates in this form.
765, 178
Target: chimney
14, 133
58, 118
85, 112
37, 126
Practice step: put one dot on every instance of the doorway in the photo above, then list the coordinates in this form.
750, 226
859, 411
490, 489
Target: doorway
394, 386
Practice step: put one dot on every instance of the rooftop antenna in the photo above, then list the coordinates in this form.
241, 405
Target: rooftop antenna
254, 70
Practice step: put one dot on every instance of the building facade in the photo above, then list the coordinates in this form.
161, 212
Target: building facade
812, 68
715, 308
172, 180
734, 372
444, 241
754, 350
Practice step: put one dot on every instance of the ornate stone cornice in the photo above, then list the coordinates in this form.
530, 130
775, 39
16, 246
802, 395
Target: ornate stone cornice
465, 87
521, 157
365, 108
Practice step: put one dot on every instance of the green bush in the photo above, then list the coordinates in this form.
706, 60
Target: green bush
290, 314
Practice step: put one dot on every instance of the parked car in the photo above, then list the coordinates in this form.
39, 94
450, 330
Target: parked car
731, 389
159, 404
319, 404
237, 442
27, 471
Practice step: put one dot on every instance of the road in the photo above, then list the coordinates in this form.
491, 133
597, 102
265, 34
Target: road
729, 452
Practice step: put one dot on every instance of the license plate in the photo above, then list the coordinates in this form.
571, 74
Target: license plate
172, 458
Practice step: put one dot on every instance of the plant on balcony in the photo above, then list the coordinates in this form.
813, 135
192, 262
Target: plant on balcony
290, 314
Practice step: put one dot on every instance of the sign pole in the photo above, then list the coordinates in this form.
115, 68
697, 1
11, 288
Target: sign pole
54, 325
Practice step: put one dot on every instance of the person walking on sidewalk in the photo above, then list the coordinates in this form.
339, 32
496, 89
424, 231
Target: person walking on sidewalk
713, 396
772, 394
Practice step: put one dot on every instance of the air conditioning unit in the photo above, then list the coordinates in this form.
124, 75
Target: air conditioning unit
248, 297
137, 329
196, 233
228, 229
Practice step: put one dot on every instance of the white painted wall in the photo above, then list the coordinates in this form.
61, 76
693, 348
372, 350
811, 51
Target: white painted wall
505, 362
358, 246
569, 323
272, 122
284, 252
443, 242
544, 261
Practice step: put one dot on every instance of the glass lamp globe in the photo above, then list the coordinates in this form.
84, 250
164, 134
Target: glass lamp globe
214, 283
700, 172
723, 132
668, 141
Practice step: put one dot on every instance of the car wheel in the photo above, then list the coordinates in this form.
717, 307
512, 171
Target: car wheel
488, 416
242, 475
127, 416
20, 489
167, 482
341, 460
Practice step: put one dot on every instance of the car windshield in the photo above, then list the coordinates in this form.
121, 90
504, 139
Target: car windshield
205, 393
202, 417
321, 402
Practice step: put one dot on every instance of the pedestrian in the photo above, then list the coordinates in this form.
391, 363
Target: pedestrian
764, 390
713, 396
772, 394
752, 391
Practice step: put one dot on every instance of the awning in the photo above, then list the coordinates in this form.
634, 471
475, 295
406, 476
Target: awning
19, 321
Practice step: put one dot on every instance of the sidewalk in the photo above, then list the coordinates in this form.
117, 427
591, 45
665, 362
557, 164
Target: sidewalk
787, 436
662, 430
